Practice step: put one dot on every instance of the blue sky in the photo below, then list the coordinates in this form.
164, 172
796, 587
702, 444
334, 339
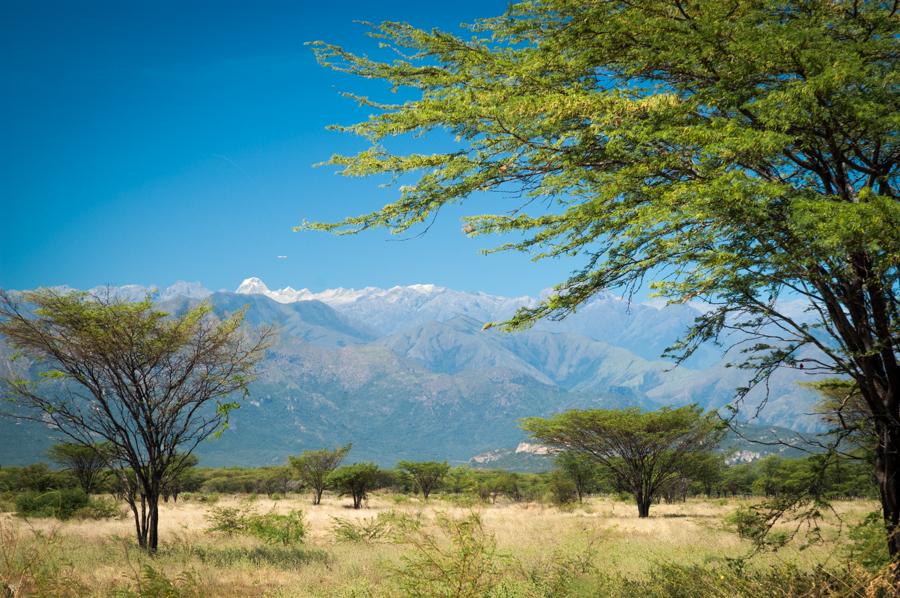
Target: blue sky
153, 142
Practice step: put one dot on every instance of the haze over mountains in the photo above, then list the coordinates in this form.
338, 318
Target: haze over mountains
408, 372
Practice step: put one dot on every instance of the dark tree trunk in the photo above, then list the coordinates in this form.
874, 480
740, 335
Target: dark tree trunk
317, 495
887, 472
153, 524
643, 504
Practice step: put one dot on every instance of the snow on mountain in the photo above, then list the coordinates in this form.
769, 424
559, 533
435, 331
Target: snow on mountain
191, 290
391, 310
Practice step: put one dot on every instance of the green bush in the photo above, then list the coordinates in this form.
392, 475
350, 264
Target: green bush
735, 580
868, 543
371, 529
271, 528
460, 562
61, 504
99, 508
562, 490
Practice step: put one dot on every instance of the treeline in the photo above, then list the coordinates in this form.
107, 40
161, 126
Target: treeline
573, 479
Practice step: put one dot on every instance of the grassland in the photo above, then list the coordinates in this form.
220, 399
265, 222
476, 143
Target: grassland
603, 538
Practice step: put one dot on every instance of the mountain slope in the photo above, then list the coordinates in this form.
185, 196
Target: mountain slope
408, 372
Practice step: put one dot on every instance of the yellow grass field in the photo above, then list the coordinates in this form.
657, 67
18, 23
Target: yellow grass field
99, 558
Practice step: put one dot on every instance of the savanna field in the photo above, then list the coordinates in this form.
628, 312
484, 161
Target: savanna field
448, 546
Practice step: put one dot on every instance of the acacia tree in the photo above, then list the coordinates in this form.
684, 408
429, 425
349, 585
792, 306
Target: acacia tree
427, 475
737, 153
86, 462
314, 467
149, 385
181, 477
580, 470
355, 480
643, 452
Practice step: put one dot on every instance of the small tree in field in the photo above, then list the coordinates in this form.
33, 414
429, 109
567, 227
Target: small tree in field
86, 462
150, 385
354, 480
579, 469
427, 475
313, 468
644, 452
183, 477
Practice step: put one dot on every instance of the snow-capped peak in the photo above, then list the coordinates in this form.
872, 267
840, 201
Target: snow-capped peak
252, 286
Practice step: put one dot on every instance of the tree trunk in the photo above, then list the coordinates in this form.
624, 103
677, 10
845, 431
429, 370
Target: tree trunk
153, 523
887, 472
643, 504
317, 495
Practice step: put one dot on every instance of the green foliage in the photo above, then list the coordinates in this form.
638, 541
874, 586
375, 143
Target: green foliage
148, 382
314, 467
61, 504
84, 461
100, 508
669, 580
562, 489
271, 528
426, 475
354, 480
868, 543
755, 525
642, 452
372, 529
737, 153
154, 583
580, 470
460, 560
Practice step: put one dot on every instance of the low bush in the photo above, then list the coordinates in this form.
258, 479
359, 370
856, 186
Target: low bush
100, 508
61, 504
460, 561
371, 529
272, 528
868, 543
153, 583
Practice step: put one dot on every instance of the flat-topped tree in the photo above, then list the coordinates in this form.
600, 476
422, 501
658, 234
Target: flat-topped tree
740, 153
426, 475
86, 462
642, 452
354, 480
313, 467
149, 385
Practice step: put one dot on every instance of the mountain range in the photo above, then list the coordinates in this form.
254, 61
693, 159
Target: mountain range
409, 372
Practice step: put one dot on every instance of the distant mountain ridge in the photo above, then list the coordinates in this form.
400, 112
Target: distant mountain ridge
408, 372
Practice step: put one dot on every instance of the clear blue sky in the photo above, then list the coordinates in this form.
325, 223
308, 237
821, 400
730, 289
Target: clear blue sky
153, 142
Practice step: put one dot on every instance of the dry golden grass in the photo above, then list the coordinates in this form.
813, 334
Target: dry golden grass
100, 555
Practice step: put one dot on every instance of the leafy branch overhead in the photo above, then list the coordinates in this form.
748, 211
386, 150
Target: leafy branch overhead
742, 154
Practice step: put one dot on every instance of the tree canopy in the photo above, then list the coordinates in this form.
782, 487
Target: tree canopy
744, 154
313, 467
643, 452
149, 385
355, 480
86, 462
426, 475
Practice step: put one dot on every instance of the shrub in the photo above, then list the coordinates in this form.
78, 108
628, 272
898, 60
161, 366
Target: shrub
868, 543
562, 490
460, 562
734, 580
751, 524
371, 529
99, 508
152, 583
271, 527
61, 504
